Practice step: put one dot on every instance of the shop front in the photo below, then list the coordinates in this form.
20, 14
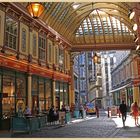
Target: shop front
13, 90
61, 94
41, 94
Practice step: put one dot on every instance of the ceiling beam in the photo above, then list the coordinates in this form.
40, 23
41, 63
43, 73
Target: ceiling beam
103, 47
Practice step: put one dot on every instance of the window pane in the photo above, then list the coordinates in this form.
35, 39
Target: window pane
11, 33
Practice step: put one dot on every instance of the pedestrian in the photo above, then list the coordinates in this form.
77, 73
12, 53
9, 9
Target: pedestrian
51, 114
123, 110
63, 108
135, 112
81, 109
27, 111
20, 113
97, 111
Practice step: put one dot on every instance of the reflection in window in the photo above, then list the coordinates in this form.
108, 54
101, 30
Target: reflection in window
48, 94
41, 95
65, 94
11, 33
23, 46
8, 103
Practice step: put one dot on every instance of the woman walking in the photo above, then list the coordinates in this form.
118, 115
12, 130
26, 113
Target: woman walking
135, 112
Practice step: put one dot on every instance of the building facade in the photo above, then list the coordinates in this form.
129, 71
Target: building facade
107, 64
34, 64
125, 80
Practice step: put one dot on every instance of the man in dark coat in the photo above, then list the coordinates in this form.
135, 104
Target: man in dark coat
123, 110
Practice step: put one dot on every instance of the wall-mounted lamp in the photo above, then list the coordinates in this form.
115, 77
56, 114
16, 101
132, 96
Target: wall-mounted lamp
35, 9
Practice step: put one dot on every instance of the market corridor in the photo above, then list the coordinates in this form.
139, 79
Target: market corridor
92, 127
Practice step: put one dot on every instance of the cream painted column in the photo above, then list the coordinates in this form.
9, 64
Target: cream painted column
53, 92
71, 92
136, 94
30, 91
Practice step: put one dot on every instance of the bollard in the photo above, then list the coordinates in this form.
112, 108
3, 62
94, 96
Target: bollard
108, 112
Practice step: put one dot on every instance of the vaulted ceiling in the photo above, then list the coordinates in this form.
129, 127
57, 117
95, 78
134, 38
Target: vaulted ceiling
87, 23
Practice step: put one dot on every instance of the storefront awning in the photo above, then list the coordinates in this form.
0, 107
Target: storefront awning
120, 88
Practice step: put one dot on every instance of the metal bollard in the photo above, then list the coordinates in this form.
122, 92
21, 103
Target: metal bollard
108, 112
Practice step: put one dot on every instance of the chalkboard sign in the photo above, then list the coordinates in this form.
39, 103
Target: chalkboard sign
61, 115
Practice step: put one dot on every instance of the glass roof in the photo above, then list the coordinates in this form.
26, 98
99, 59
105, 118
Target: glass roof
88, 22
102, 25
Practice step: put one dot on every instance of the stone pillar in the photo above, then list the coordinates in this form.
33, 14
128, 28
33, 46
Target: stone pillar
136, 94
30, 91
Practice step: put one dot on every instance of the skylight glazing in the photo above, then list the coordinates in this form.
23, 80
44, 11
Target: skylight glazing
99, 23
57, 9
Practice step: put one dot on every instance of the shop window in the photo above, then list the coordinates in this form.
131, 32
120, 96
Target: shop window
48, 94
34, 86
35, 102
57, 95
0, 83
42, 48
65, 94
34, 45
11, 33
23, 46
8, 102
41, 96
21, 93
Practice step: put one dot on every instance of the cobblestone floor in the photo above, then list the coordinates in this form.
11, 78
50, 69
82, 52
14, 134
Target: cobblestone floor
91, 127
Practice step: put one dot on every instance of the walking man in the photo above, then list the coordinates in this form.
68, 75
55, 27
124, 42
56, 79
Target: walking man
123, 110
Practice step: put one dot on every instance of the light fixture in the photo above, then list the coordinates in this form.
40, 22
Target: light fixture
131, 14
96, 58
138, 46
135, 27
35, 9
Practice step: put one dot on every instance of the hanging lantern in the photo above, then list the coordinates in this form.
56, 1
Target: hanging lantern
35, 9
95, 58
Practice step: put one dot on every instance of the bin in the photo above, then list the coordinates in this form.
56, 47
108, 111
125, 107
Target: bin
76, 114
